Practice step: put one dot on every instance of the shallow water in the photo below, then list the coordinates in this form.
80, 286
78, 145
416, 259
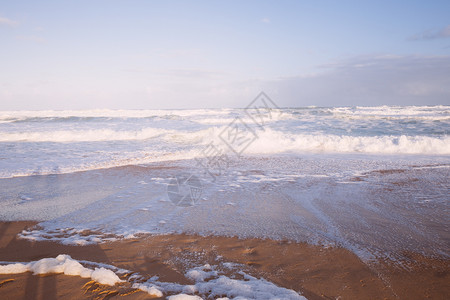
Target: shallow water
375, 206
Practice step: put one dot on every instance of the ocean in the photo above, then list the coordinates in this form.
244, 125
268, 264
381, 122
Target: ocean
371, 179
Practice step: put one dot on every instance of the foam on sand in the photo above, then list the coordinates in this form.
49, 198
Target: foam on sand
208, 282
151, 290
62, 264
185, 297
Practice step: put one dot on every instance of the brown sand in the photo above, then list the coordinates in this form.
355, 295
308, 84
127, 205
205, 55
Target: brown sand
316, 272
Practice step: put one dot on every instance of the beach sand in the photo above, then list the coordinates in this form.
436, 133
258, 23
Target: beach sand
316, 272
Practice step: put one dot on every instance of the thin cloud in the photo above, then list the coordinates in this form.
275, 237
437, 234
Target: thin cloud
8, 22
395, 80
432, 34
195, 73
31, 38
265, 20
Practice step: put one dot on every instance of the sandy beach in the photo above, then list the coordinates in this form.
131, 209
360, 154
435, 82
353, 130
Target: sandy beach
316, 272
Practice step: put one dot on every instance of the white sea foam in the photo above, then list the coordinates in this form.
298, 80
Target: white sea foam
150, 289
248, 288
62, 264
208, 283
184, 297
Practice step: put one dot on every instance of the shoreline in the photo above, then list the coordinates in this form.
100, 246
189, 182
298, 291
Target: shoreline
316, 272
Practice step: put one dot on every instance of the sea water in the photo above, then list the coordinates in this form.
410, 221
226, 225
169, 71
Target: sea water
372, 179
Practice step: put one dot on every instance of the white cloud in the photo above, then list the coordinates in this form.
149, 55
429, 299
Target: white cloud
265, 20
8, 22
432, 34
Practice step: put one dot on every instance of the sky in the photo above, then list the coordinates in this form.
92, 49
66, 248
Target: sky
206, 54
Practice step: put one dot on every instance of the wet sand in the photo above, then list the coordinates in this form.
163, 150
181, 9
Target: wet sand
314, 271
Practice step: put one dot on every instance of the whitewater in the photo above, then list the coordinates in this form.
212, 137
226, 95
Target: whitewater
55, 142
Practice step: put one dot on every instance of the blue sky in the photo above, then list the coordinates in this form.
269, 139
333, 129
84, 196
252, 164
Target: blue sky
183, 54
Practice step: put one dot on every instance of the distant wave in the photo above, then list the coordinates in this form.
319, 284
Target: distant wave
440, 112
92, 135
213, 115
106, 113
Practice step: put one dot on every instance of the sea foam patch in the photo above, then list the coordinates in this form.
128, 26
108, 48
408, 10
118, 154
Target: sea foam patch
62, 264
207, 282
